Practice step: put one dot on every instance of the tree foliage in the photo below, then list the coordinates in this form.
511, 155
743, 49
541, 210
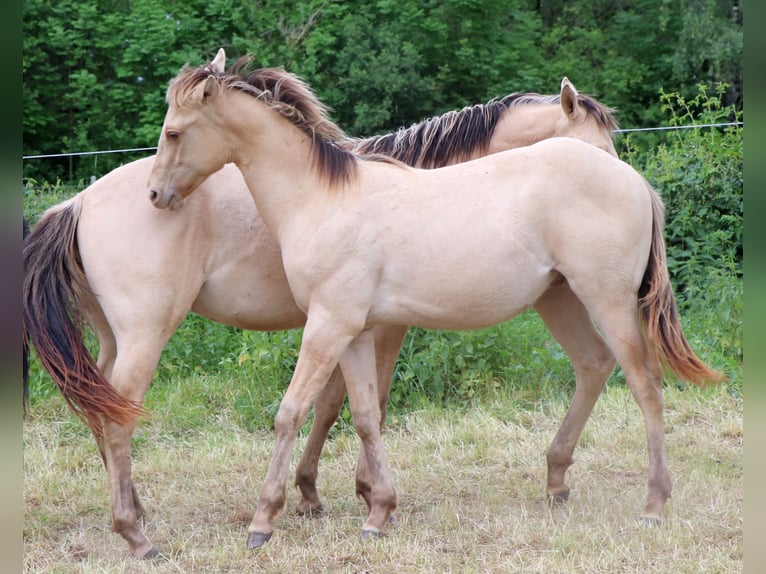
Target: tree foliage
95, 71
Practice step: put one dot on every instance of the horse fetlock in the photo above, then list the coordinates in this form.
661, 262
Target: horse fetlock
364, 491
310, 509
140, 546
305, 480
653, 508
558, 496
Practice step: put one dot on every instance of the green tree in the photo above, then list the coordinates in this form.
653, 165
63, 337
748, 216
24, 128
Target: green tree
95, 71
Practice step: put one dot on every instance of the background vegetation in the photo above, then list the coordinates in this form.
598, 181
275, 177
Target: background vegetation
95, 72
698, 173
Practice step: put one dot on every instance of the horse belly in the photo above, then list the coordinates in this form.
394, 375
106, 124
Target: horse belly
475, 294
247, 296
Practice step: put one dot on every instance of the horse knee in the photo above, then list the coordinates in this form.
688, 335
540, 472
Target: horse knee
289, 417
367, 425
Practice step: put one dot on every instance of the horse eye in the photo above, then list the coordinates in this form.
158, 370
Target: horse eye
172, 135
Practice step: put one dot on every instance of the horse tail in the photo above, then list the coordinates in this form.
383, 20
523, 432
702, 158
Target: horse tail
659, 312
25, 344
53, 321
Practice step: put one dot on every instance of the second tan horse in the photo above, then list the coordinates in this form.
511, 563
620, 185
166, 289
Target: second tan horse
110, 257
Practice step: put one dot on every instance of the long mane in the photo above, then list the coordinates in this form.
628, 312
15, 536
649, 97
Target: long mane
286, 94
451, 137
456, 135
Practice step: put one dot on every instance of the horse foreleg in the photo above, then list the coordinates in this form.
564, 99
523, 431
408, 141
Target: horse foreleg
359, 370
568, 321
326, 410
321, 347
388, 344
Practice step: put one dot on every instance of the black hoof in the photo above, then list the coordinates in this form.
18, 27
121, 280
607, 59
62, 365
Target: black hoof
650, 521
257, 539
152, 554
368, 534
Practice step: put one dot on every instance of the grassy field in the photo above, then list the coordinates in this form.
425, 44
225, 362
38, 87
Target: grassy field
470, 483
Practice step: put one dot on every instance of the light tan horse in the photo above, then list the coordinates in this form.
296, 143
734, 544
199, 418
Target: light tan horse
556, 225
109, 240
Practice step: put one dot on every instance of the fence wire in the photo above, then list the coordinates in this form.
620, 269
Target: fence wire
620, 131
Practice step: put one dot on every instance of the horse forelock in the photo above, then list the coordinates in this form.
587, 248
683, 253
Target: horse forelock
286, 94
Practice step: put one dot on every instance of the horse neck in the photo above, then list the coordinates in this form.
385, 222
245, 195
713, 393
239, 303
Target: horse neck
524, 125
276, 160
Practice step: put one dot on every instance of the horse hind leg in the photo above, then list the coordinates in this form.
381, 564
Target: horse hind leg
132, 373
618, 319
107, 355
592, 361
388, 344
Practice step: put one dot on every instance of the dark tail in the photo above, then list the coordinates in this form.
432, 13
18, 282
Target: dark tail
25, 345
53, 322
660, 313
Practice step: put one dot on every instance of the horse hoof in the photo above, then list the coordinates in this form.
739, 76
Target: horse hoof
368, 533
152, 553
258, 539
311, 512
558, 497
650, 521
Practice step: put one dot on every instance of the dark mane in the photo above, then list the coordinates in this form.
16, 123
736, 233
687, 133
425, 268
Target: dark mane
452, 137
456, 135
286, 94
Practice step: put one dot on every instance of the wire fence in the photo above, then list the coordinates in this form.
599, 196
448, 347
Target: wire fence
619, 131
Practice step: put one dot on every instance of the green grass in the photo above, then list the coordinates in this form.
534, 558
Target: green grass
468, 461
207, 366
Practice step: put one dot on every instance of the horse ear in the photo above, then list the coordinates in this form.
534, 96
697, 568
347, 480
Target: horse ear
219, 62
568, 98
210, 87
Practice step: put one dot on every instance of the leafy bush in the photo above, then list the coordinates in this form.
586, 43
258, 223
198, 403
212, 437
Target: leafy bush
699, 174
207, 367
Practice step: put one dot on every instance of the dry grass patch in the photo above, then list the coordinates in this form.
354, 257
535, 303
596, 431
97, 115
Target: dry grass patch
471, 496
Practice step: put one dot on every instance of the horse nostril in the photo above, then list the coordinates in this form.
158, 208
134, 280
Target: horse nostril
153, 195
